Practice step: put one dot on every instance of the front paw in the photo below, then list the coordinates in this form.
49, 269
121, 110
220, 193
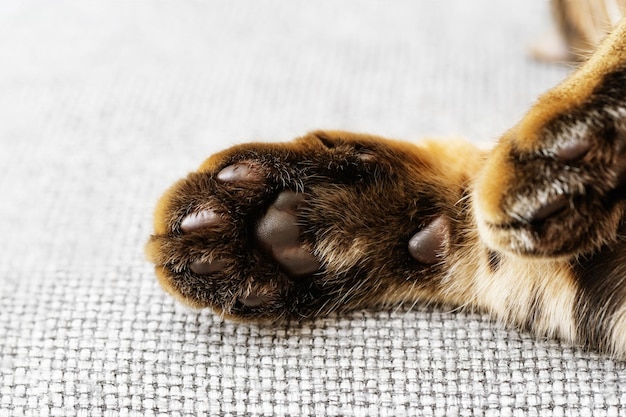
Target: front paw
332, 221
554, 185
229, 236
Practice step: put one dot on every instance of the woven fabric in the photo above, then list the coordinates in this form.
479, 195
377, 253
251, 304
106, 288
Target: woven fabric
103, 104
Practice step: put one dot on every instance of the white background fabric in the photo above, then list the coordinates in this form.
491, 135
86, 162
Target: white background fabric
103, 104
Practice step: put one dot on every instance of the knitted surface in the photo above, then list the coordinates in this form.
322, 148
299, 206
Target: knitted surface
104, 104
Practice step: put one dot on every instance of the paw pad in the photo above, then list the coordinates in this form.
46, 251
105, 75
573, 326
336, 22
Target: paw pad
278, 233
550, 208
573, 150
199, 220
241, 172
254, 299
428, 245
205, 268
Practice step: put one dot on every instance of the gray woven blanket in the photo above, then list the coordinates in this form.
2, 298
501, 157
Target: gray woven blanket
103, 104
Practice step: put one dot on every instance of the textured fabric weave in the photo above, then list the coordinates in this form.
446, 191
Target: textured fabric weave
103, 104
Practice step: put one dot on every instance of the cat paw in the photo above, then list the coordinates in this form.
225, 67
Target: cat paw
331, 221
554, 185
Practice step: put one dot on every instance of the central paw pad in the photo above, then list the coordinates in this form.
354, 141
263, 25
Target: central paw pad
278, 233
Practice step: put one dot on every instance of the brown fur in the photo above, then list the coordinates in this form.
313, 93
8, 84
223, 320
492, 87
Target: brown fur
527, 171
531, 232
402, 187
